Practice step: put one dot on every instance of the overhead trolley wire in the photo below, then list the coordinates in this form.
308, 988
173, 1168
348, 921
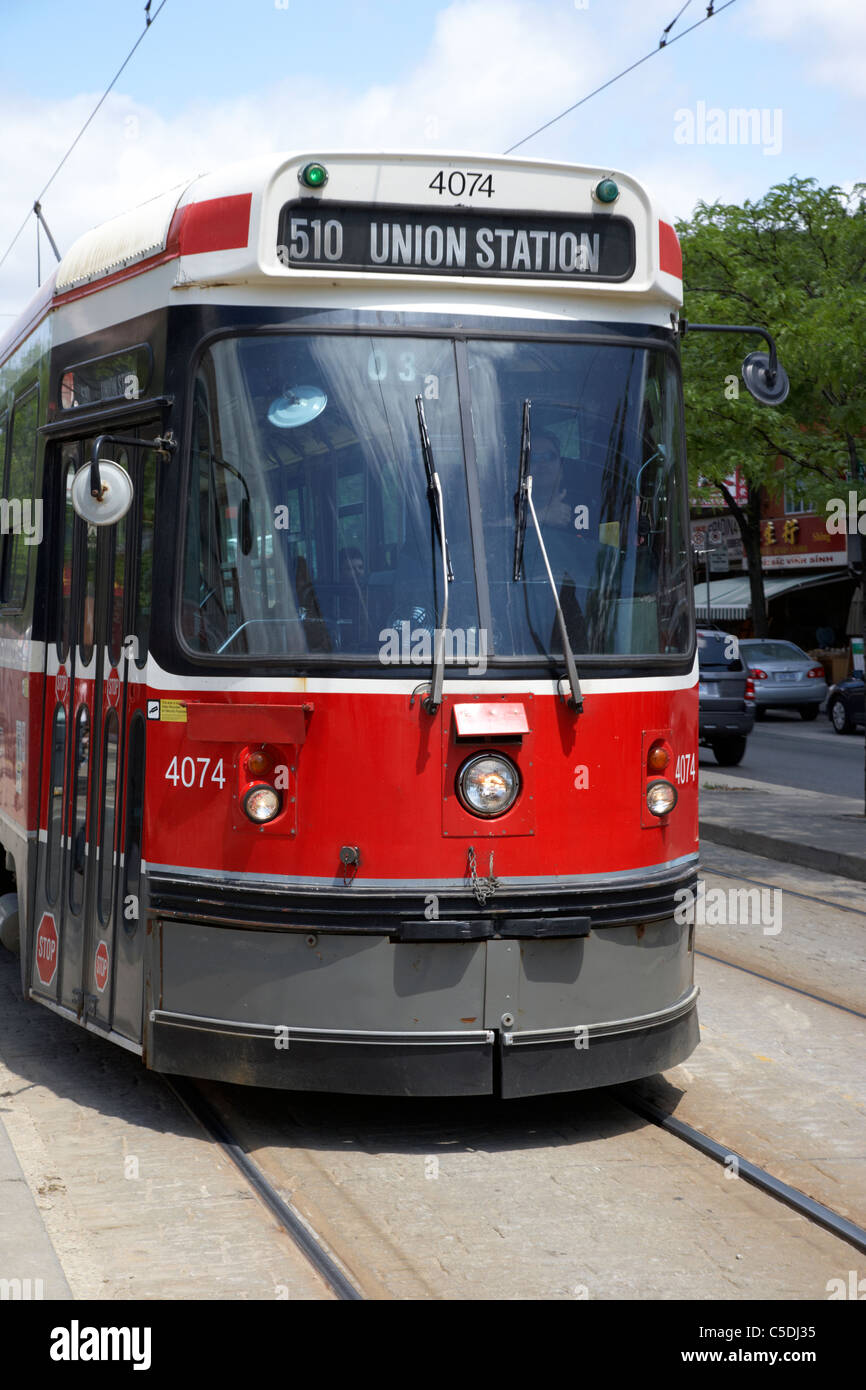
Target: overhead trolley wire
668, 27
149, 18
664, 43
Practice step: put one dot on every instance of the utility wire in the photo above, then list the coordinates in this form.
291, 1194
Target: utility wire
711, 12
667, 29
149, 18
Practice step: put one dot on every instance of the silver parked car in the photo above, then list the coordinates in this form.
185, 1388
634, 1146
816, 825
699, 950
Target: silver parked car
785, 677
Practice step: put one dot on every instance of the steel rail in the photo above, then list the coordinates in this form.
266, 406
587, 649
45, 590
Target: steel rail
304, 1237
814, 1211
795, 989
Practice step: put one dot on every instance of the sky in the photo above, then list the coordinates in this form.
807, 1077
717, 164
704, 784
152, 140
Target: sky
214, 81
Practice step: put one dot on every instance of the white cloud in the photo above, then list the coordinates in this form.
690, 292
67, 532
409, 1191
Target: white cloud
494, 70
830, 34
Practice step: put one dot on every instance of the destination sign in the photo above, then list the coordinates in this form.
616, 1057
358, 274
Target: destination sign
426, 241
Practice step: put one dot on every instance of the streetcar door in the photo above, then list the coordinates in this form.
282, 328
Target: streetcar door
55, 961
94, 685
97, 781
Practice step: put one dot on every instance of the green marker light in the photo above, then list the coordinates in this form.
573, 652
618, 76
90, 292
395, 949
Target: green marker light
606, 192
313, 176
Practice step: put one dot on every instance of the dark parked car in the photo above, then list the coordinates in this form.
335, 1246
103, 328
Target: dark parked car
727, 705
785, 677
846, 705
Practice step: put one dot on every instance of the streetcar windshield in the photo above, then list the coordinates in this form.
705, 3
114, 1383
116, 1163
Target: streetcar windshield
606, 461
309, 528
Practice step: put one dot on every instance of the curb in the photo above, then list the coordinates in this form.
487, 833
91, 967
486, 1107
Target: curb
789, 851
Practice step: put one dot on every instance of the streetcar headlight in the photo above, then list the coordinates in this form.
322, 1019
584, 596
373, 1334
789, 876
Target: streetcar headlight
262, 803
661, 797
487, 784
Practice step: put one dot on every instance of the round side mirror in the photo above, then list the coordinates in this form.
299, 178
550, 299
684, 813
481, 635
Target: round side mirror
115, 500
756, 375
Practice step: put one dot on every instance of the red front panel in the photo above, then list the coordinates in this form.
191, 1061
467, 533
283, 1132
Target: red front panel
371, 772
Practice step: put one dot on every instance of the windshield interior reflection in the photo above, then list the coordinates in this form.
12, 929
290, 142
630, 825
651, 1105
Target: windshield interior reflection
605, 462
309, 528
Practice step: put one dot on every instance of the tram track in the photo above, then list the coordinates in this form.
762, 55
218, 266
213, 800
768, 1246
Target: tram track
335, 1259
712, 871
771, 980
343, 1257
753, 1173
310, 1243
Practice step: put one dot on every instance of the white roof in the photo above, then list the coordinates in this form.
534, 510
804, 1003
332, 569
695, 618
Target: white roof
131, 237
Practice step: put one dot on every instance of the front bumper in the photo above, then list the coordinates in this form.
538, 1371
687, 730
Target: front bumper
725, 723
775, 696
413, 1064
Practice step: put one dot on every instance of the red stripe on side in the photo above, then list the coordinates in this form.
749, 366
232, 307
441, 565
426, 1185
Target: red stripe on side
670, 252
115, 278
218, 224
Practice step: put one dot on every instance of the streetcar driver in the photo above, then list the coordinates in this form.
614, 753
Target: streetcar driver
565, 540
354, 619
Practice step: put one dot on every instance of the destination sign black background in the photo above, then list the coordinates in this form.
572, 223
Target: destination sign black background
616, 259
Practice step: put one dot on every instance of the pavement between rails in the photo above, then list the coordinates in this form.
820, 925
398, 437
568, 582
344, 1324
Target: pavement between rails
812, 829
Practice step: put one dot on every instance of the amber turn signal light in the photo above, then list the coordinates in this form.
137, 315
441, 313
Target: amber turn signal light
258, 763
658, 757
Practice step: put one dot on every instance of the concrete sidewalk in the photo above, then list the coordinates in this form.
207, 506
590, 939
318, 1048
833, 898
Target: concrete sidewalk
29, 1267
812, 829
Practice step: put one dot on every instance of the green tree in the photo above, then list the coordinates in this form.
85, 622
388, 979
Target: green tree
793, 262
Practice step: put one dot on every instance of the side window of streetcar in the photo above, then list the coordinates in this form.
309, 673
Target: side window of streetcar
23, 517
69, 466
118, 572
88, 611
134, 817
108, 799
80, 768
144, 591
55, 803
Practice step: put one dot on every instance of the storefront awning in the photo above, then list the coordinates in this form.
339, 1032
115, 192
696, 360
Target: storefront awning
730, 599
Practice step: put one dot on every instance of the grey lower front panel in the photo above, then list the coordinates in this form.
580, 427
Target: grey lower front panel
337, 1012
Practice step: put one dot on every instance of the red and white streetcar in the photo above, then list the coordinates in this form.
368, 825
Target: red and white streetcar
350, 712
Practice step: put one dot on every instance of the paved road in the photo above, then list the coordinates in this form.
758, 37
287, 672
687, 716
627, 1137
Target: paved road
792, 753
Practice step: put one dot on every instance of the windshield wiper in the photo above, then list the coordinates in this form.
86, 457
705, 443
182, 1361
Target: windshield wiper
523, 503
434, 494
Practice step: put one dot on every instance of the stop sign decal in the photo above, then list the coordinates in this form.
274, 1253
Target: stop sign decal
100, 968
47, 949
